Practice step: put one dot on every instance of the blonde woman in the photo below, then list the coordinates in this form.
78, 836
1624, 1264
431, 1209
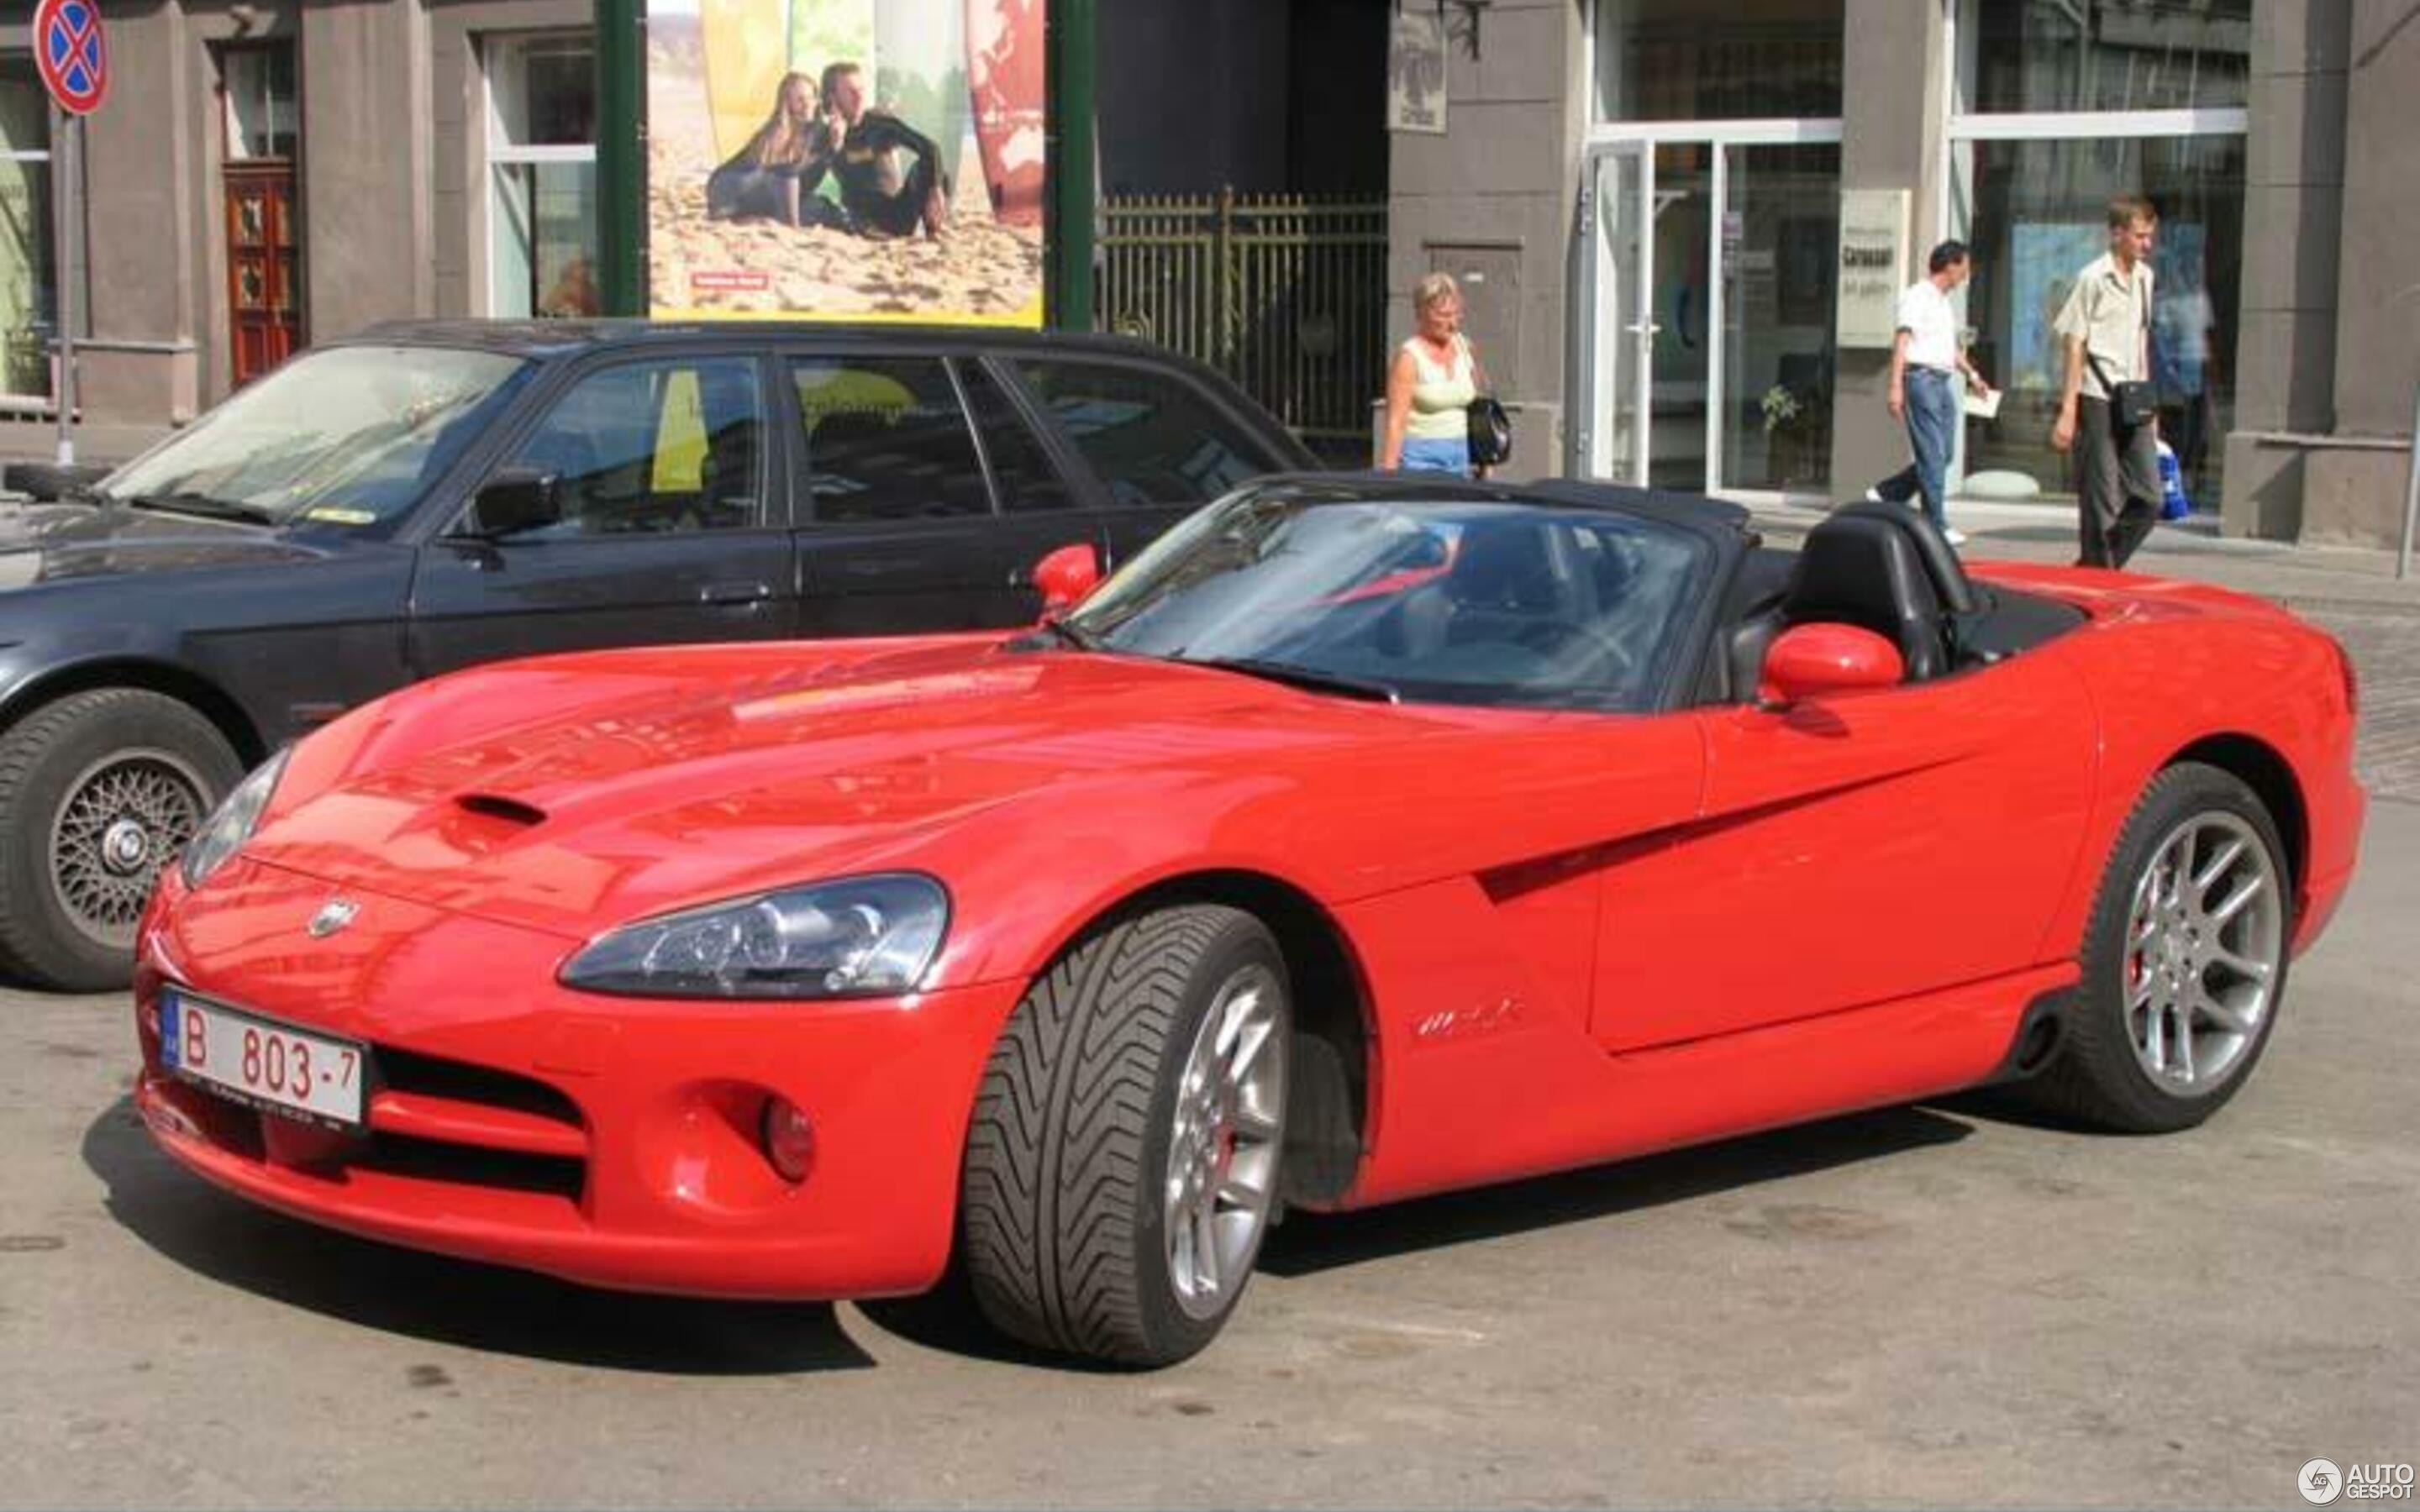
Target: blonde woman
1429, 385
773, 177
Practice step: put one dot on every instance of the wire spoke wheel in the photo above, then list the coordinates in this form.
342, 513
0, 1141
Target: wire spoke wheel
123, 818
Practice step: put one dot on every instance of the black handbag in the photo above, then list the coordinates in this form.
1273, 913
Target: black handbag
1491, 432
2130, 404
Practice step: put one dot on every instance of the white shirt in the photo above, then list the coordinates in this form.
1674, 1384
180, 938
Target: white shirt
1931, 324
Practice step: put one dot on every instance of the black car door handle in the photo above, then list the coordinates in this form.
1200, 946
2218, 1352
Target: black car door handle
734, 592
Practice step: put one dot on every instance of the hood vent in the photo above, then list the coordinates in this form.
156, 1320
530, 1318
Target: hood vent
495, 805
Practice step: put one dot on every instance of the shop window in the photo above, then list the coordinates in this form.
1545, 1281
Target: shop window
542, 165
2046, 55
2037, 215
1677, 60
26, 311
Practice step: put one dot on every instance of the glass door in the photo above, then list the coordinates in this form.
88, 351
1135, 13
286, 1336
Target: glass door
1617, 332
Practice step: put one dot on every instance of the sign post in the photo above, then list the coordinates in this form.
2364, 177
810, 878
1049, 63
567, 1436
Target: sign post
73, 56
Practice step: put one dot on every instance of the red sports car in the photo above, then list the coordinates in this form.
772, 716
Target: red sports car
1362, 837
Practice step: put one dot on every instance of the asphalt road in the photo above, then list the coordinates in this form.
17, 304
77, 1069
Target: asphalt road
1944, 1304
1930, 1306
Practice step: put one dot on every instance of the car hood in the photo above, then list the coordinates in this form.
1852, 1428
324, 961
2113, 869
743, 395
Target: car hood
657, 780
52, 542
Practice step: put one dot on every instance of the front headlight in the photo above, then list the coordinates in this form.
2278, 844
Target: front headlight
861, 937
231, 822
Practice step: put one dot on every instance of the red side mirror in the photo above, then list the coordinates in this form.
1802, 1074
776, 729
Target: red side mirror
1067, 577
1811, 660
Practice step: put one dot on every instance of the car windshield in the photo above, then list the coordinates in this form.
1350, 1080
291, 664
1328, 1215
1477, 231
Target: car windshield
1434, 601
348, 436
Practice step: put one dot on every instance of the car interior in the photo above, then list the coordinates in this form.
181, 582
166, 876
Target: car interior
1882, 567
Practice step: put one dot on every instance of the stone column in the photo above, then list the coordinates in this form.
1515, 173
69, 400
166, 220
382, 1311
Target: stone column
2285, 344
1891, 108
367, 163
1500, 190
2355, 490
135, 353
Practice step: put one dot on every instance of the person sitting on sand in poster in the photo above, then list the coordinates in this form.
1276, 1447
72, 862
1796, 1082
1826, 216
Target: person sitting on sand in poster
880, 200
774, 176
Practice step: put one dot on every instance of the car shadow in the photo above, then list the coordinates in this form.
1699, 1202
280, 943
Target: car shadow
1308, 1244
440, 1299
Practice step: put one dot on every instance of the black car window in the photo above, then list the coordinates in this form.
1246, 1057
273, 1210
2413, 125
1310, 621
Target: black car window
886, 440
670, 445
1021, 469
1151, 437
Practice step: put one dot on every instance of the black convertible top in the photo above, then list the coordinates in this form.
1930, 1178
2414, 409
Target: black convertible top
1695, 512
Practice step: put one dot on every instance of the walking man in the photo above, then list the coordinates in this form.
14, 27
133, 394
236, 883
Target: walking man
2105, 409
1926, 366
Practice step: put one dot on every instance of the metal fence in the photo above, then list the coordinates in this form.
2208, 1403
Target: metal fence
1285, 294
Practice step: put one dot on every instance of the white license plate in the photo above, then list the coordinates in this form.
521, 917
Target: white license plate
269, 1065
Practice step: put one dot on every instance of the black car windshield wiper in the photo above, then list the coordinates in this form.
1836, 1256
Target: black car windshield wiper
1058, 630
202, 504
1307, 677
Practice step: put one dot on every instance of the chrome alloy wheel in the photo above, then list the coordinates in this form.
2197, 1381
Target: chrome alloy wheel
2206, 940
1222, 1153
124, 817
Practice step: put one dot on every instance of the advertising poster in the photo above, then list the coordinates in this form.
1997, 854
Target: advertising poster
845, 160
1416, 73
2043, 259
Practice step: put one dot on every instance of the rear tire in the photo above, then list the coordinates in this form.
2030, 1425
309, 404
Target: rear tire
1123, 1164
97, 792
2184, 961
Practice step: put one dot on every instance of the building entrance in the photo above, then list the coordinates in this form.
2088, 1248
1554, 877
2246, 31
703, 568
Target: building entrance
1706, 270
264, 250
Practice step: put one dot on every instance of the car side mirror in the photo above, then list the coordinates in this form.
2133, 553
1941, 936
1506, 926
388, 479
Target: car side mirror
1067, 577
1813, 661
515, 501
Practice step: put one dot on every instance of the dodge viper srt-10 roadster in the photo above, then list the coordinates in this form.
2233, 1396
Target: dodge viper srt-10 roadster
1360, 839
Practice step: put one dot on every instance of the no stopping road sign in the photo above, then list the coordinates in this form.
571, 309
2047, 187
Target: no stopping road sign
71, 54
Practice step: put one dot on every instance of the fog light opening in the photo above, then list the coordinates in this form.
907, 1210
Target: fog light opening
789, 1138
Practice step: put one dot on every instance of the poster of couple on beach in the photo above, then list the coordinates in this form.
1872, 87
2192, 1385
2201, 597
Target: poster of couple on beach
846, 159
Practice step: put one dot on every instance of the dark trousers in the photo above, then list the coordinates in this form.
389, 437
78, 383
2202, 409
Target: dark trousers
2117, 485
737, 191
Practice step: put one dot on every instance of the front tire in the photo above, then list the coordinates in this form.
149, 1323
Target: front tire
2184, 961
1123, 1164
97, 792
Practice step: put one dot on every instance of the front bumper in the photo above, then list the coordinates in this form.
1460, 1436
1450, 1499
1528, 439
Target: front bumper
606, 1140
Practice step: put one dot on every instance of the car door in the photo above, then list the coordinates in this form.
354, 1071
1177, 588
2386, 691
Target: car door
1155, 444
668, 533
900, 531
1852, 851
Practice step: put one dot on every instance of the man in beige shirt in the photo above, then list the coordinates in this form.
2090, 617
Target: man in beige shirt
2107, 329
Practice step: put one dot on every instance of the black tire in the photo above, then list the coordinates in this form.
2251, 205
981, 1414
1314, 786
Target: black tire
2098, 1078
49, 481
64, 925
1064, 1231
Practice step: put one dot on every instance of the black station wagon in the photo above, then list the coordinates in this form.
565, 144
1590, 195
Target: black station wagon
428, 495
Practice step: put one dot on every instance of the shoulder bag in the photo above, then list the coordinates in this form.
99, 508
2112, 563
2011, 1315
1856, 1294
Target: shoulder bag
2130, 404
1490, 428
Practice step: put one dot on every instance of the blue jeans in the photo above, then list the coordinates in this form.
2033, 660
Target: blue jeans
1451, 455
1933, 411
